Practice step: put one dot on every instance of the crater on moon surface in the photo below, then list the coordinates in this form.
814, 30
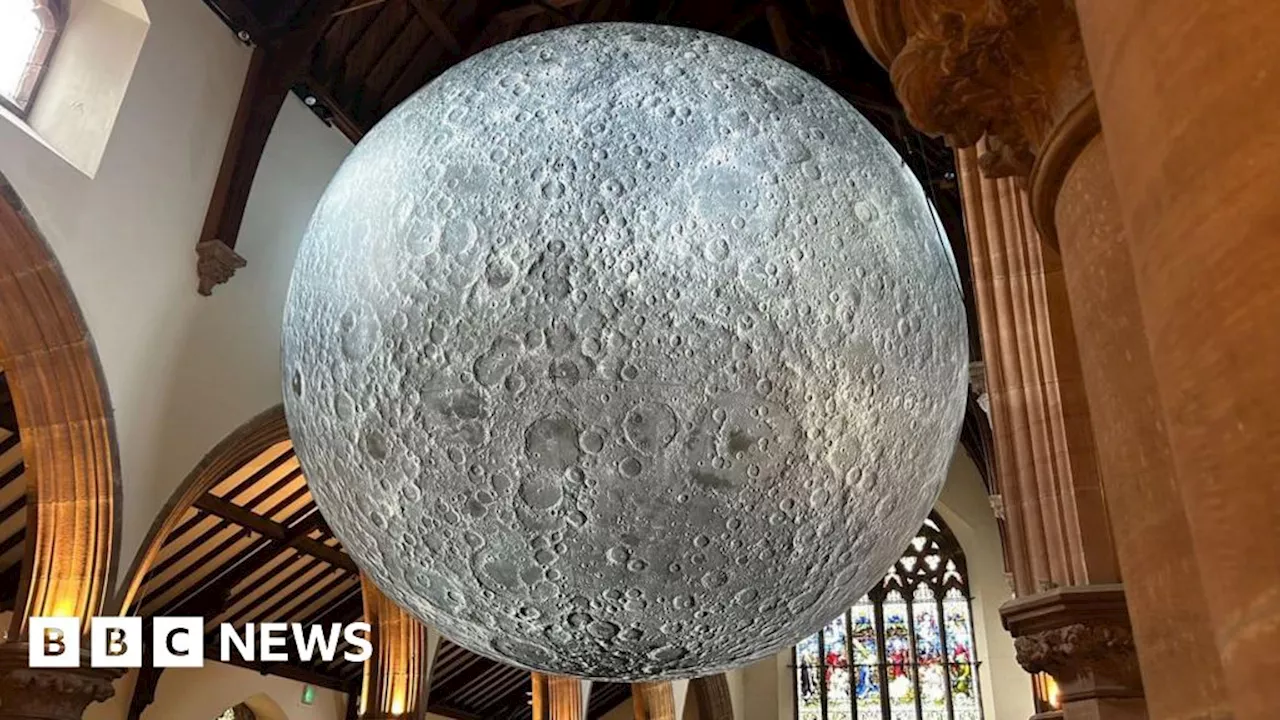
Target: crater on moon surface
624, 352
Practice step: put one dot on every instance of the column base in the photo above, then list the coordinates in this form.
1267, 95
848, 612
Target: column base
28, 693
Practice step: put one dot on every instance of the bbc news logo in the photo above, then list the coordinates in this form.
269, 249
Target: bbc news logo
176, 642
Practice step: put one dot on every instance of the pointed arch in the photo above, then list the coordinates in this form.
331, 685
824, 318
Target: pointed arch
906, 648
68, 439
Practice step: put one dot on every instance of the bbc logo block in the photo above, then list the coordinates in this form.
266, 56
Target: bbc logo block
118, 642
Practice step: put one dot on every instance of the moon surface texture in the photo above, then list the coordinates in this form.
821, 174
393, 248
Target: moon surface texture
624, 352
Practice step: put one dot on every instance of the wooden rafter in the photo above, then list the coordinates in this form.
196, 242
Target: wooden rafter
283, 536
275, 66
431, 16
524, 12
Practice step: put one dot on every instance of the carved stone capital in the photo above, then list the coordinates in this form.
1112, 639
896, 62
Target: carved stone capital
997, 505
1008, 70
1067, 652
215, 265
1079, 635
28, 693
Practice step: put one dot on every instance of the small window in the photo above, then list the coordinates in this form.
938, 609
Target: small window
28, 31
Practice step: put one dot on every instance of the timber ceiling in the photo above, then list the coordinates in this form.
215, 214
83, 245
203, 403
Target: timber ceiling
13, 499
254, 548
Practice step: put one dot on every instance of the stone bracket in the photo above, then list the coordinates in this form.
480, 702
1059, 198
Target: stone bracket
1081, 636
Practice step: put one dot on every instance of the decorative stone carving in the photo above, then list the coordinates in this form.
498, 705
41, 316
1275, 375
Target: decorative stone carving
216, 264
1081, 636
997, 505
68, 435
28, 693
965, 69
1067, 651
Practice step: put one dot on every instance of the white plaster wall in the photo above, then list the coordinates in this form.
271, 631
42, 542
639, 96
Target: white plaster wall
203, 693
182, 370
964, 506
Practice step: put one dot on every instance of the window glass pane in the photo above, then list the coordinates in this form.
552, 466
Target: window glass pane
836, 670
808, 670
959, 639
933, 682
922, 653
866, 661
19, 33
964, 682
897, 645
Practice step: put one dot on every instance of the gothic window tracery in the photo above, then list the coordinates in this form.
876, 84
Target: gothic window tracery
904, 651
29, 30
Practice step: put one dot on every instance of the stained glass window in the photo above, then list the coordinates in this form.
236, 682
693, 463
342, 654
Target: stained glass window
904, 651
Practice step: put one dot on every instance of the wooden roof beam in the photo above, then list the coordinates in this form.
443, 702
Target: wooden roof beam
10, 442
276, 65
450, 712
8, 414
276, 532
525, 12
436, 24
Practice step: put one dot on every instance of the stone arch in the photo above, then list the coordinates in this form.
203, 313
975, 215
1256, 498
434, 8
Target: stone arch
238, 448
68, 436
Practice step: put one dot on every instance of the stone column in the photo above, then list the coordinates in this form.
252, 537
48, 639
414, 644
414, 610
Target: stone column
653, 701
397, 675
1164, 588
556, 697
1189, 106
1050, 491
28, 693
1012, 76
711, 693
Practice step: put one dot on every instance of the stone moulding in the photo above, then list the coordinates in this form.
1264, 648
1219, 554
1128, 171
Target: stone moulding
65, 420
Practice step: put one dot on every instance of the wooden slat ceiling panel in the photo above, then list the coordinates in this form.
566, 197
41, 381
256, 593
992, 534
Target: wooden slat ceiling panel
13, 498
266, 462
254, 548
412, 40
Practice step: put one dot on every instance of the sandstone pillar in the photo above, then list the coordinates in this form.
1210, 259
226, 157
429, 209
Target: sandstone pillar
397, 676
556, 697
1189, 109
1012, 74
1164, 588
654, 701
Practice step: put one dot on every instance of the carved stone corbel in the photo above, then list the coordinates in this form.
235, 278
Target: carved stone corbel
216, 263
1081, 636
28, 693
1010, 71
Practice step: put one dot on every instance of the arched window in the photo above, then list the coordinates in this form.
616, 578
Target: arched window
904, 651
28, 31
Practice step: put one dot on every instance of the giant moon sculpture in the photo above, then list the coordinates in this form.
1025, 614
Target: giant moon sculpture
624, 352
